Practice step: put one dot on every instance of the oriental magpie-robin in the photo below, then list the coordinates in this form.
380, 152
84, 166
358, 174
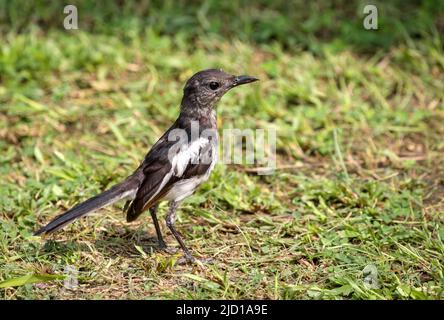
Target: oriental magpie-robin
176, 165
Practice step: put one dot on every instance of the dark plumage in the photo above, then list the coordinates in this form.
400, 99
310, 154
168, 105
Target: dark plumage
177, 163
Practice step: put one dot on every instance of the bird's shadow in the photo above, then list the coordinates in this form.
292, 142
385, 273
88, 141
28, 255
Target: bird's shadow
124, 243
119, 243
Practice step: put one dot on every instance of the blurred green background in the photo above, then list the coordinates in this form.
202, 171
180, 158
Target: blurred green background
359, 115
292, 24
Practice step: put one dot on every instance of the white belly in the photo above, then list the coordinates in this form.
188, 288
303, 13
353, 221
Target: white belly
184, 188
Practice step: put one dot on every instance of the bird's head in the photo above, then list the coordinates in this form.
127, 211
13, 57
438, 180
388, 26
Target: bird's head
205, 88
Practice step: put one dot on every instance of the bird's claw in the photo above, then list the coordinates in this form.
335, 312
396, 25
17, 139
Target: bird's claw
165, 248
189, 259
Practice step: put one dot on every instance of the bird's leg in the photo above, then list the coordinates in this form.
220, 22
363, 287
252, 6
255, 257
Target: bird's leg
162, 244
170, 220
153, 212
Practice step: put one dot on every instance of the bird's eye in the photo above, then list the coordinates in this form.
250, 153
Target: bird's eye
214, 85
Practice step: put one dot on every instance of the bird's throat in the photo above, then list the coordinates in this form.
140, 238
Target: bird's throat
205, 115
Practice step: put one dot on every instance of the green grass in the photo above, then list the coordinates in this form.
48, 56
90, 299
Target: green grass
359, 182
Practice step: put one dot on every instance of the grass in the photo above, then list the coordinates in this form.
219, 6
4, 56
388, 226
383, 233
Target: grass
359, 183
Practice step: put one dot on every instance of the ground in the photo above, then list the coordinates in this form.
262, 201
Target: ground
358, 187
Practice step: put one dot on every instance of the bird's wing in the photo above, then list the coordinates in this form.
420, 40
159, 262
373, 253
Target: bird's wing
167, 163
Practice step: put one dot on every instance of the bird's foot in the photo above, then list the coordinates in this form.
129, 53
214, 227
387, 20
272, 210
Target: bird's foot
165, 248
189, 259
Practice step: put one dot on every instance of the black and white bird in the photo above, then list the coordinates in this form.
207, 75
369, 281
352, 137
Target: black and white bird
176, 165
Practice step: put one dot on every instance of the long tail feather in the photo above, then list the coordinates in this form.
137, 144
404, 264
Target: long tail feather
122, 190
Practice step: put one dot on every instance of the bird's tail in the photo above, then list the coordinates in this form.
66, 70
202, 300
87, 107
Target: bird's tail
127, 188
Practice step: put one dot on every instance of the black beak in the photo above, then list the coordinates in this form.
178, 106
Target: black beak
243, 80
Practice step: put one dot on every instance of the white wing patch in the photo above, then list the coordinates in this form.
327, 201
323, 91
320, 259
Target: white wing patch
186, 187
189, 154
